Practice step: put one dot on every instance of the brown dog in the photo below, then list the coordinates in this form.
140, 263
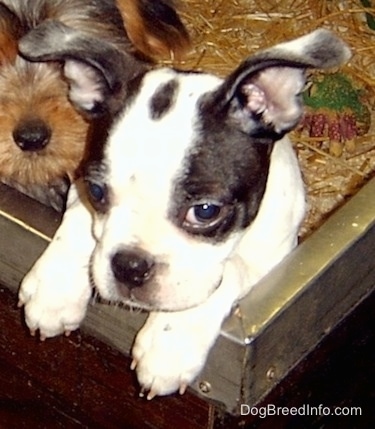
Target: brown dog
43, 137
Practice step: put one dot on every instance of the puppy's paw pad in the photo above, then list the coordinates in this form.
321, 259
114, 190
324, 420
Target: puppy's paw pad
162, 386
166, 361
53, 314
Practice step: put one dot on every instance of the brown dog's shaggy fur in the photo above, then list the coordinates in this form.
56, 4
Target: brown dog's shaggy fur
42, 136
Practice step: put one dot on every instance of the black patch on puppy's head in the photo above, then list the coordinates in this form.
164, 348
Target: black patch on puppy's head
226, 168
163, 99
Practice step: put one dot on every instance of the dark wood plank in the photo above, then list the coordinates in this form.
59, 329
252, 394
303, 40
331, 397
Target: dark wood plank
78, 382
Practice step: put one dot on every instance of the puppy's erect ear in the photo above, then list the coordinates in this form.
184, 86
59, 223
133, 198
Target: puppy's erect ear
262, 96
97, 72
154, 27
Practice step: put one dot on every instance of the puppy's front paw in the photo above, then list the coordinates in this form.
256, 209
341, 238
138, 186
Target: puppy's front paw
53, 305
168, 356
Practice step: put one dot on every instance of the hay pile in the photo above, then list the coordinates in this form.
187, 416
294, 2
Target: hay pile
224, 32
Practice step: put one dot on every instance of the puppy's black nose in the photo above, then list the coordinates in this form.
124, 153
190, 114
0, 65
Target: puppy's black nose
32, 134
133, 267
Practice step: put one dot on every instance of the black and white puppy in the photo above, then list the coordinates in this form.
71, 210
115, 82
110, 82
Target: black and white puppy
196, 196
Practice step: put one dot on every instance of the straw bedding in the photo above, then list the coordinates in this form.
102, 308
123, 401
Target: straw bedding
224, 32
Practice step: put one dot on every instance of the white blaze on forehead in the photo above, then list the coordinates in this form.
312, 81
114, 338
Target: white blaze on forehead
146, 154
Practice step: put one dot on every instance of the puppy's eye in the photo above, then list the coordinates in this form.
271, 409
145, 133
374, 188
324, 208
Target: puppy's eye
203, 213
204, 218
97, 195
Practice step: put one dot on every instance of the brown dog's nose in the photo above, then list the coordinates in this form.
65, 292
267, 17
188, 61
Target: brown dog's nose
32, 134
132, 267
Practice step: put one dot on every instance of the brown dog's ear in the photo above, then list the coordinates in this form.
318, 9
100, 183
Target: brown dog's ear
98, 74
10, 32
154, 27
